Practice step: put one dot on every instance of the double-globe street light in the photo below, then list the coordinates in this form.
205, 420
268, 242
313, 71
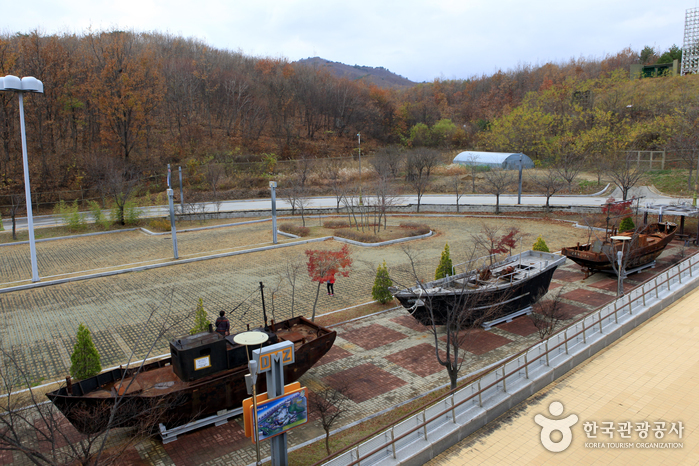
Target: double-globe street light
28, 84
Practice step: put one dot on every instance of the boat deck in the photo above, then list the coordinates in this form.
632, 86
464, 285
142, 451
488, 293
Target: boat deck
158, 381
511, 270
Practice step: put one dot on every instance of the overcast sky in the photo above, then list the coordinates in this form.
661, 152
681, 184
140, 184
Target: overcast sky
420, 40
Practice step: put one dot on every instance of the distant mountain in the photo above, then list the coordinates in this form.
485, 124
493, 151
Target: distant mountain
379, 76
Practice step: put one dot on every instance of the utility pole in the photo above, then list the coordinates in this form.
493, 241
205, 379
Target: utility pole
359, 139
181, 192
170, 199
519, 193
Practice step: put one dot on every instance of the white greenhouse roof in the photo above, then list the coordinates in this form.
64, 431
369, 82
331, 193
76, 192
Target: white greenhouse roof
478, 158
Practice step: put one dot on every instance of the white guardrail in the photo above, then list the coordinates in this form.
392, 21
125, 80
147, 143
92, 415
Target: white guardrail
419, 437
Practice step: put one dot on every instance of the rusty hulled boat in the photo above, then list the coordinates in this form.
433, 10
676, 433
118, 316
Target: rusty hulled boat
493, 290
644, 246
204, 375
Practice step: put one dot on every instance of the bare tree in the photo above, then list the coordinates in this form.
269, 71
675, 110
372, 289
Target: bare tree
498, 180
388, 161
472, 163
302, 204
384, 197
548, 313
624, 173
351, 205
213, 177
461, 314
290, 195
380, 163
304, 167
568, 166
593, 165
330, 403
550, 182
292, 271
119, 181
16, 200
419, 164
274, 292
456, 185
293, 193
339, 189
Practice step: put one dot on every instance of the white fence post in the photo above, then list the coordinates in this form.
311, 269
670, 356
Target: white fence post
526, 366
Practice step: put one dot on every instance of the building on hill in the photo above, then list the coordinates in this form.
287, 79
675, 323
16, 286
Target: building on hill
653, 71
505, 160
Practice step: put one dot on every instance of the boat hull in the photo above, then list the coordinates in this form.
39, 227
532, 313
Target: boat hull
479, 304
652, 241
204, 397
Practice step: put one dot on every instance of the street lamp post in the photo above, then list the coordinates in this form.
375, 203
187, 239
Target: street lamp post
620, 261
21, 86
519, 192
273, 188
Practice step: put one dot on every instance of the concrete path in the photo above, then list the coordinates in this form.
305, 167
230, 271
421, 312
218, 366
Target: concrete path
649, 194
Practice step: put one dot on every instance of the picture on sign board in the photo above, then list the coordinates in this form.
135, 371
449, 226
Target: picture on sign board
202, 363
276, 416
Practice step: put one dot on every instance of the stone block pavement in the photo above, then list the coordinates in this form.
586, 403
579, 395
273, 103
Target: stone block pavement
386, 358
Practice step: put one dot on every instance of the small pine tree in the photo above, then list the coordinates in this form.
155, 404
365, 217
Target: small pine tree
626, 225
201, 319
540, 245
381, 283
85, 360
445, 266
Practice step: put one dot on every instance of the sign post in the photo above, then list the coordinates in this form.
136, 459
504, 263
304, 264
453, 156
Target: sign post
248, 339
272, 360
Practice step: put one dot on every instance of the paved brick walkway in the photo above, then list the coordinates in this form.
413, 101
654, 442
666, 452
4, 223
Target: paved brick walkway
127, 312
387, 358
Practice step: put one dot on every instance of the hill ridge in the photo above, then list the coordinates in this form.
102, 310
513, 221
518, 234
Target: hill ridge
378, 76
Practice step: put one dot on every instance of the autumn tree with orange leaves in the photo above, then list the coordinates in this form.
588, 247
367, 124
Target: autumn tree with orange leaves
324, 265
128, 86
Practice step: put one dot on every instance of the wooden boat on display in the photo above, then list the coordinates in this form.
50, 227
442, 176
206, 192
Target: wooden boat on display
204, 375
642, 248
493, 290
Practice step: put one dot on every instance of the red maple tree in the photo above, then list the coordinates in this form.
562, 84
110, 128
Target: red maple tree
617, 208
324, 265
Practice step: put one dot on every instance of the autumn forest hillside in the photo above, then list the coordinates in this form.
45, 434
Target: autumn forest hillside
127, 102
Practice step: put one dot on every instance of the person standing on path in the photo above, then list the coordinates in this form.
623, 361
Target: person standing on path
331, 286
223, 326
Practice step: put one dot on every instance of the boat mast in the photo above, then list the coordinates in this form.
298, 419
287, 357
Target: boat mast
264, 311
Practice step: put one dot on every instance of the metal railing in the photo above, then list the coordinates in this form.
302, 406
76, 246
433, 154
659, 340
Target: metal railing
388, 443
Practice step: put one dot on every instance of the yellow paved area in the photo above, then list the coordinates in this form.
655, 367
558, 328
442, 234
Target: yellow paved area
651, 375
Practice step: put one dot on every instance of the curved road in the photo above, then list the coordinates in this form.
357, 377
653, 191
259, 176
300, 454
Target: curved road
435, 199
